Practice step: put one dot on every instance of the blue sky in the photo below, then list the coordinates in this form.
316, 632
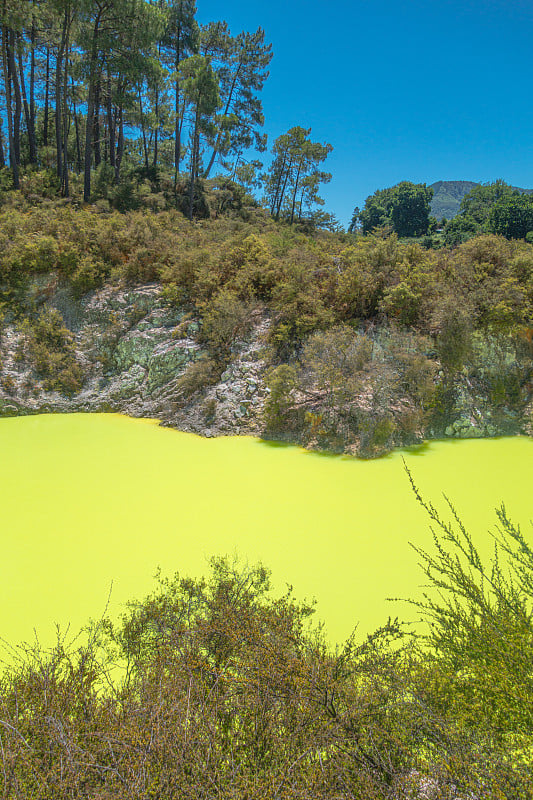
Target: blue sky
421, 91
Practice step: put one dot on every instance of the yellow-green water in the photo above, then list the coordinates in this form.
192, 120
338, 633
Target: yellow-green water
93, 500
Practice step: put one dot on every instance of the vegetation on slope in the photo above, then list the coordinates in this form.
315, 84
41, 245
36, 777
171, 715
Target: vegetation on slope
376, 336
371, 338
114, 97
447, 196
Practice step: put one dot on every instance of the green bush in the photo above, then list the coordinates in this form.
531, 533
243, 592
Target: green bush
90, 274
281, 381
225, 319
217, 671
376, 432
454, 341
49, 347
197, 377
143, 266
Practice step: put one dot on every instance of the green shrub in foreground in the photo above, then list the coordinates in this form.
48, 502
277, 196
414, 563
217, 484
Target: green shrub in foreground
227, 692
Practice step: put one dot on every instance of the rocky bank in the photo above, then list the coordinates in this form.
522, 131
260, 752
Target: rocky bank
136, 349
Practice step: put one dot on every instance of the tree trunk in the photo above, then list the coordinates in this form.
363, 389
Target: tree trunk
110, 122
105, 139
226, 109
177, 121
46, 98
120, 145
300, 208
282, 194
296, 190
96, 135
194, 157
177, 135
2, 154
57, 112
32, 82
77, 129
273, 205
27, 115
66, 120
90, 112
18, 100
143, 129
9, 109
156, 132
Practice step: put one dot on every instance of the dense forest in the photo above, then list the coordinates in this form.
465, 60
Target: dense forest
116, 99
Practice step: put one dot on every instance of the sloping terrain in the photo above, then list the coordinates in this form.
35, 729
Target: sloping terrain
447, 196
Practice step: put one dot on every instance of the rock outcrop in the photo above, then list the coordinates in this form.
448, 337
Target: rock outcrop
142, 356
134, 347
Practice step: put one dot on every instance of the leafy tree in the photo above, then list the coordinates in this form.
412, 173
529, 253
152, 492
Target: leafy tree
410, 208
477, 204
460, 229
200, 90
406, 207
355, 221
293, 177
241, 64
512, 216
375, 213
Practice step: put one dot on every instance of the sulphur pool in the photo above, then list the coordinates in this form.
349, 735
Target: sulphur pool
94, 501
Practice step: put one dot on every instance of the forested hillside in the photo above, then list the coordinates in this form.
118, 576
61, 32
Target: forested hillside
152, 264
244, 324
117, 99
447, 196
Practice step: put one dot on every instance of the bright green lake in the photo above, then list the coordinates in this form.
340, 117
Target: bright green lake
93, 500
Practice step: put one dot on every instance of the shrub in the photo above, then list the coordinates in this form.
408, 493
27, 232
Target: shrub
332, 362
281, 381
402, 303
44, 183
143, 266
481, 627
49, 347
376, 431
198, 376
255, 271
226, 684
454, 341
225, 319
89, 275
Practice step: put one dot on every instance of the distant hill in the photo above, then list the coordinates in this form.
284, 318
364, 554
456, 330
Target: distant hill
447, 196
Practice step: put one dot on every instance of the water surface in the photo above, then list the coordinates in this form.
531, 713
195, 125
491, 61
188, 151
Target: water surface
90, 501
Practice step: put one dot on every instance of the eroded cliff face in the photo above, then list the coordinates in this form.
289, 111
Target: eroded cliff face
134, 347
141, 355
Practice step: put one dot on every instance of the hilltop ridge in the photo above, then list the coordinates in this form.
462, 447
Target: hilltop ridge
447, 196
